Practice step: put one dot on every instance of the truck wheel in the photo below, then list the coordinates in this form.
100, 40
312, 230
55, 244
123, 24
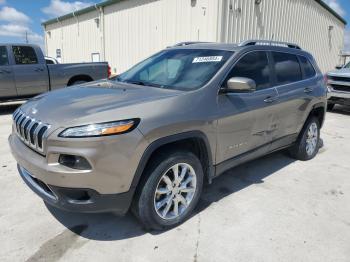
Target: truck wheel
171, 191
308, 143
330, 106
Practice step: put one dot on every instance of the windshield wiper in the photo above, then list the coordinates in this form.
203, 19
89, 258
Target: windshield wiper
141, 83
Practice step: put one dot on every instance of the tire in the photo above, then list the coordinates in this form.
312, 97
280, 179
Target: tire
330, 106
306, 149
147, 205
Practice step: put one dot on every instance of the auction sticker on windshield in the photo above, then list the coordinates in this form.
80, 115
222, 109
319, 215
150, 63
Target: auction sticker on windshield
206, 59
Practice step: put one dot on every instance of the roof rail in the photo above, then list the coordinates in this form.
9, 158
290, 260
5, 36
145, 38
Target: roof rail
188, 43
268, 42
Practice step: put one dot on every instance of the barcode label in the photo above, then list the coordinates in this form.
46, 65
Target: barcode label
207, 59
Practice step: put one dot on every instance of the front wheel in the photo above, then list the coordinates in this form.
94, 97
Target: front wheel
171, 191
308, 143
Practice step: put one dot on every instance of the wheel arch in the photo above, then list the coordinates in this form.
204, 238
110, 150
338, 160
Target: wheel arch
197, 139
76, 78
318, 111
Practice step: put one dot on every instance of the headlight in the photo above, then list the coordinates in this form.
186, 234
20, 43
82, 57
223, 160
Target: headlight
102, 129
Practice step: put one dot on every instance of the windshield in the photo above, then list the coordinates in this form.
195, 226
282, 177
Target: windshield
184, 69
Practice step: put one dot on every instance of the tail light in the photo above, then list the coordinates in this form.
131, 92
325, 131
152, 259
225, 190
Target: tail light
109, 71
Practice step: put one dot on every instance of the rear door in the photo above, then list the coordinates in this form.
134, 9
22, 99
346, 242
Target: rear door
31, 76
294, 95
7, 86
247, 120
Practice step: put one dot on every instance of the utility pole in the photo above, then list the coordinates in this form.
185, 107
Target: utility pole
26, 37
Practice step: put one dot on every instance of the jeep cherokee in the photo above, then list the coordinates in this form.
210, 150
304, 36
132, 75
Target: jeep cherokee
151, 137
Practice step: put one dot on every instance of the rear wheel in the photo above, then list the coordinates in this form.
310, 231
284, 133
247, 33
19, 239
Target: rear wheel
308, 143
171, 191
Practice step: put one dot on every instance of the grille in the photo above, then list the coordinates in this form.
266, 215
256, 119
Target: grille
31, 131
338, 78
341, 88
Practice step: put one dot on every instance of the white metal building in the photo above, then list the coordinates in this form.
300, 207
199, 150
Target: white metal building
123, 32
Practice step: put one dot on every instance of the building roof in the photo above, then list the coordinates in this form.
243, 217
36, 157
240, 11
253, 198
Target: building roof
110, 2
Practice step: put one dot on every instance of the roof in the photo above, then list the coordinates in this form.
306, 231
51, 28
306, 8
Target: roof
332, 11
110, 2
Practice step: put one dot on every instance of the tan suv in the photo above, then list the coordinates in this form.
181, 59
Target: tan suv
152, 136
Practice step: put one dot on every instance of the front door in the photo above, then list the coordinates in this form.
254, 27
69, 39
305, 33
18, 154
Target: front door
7, 86
247, 120
31, 75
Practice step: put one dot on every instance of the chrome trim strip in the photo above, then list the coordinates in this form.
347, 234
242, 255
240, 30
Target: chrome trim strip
339, 94
340, 83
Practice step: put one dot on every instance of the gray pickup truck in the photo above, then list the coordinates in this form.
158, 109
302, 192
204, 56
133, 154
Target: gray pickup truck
25, 73
338, 84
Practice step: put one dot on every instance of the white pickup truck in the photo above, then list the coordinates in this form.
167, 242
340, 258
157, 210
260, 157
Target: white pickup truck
338, 83
24, 72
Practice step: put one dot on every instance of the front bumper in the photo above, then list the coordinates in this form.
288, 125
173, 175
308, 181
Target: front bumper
113, 162
77, 200
106, 187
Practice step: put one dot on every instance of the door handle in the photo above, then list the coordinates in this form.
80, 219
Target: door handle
38, 69
308, 89
270, 99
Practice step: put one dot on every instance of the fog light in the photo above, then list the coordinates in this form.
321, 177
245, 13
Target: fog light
74, 162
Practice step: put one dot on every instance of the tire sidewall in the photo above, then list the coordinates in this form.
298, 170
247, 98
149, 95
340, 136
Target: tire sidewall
146, 201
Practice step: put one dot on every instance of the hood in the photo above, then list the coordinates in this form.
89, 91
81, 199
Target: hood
91, 103
344, 72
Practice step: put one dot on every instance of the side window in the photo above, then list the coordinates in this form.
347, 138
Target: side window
254, 65
309, 70
4, 60
24, 55
287, 68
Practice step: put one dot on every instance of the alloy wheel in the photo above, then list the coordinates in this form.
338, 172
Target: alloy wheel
311, 139
175, 191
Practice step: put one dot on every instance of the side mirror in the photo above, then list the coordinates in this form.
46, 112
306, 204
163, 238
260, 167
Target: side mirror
240, 84
339, 67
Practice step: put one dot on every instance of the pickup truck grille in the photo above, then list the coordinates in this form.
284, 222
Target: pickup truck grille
340, 88
339, 78
31, 131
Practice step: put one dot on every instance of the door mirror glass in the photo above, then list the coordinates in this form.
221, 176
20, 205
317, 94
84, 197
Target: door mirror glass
241, 84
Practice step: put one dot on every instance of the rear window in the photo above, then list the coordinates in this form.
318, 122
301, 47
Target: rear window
307, 67
24, 55
287, 68
49, 62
